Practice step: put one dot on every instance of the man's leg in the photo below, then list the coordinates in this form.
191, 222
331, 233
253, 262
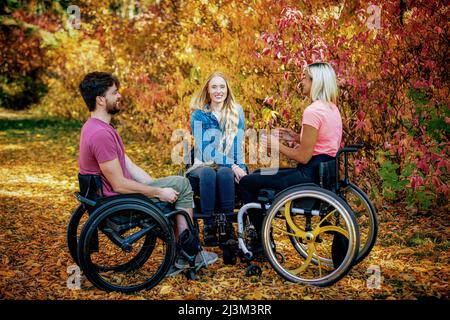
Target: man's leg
188, 241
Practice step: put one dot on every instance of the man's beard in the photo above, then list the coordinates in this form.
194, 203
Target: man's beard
113, 108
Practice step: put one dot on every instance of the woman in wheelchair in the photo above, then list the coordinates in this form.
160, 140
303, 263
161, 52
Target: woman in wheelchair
318, 141
218, 125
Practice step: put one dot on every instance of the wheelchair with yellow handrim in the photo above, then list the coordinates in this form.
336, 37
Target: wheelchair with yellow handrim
311, 233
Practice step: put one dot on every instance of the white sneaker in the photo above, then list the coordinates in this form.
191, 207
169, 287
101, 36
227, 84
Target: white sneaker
203, 259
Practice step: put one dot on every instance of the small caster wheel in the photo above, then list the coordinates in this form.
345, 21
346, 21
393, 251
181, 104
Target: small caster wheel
253, 270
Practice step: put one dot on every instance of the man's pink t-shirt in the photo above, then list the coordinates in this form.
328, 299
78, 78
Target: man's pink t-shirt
100, 142
327, 120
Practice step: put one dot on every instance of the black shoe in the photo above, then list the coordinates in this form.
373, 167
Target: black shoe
209, 236
228, 242
229, 252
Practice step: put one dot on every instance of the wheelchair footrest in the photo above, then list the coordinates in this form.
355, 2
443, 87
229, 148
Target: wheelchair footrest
253, 270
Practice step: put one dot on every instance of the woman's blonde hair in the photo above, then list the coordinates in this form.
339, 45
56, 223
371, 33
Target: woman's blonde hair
230, 115
323, 86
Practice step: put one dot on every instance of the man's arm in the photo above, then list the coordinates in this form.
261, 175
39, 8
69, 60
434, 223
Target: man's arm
113, 173
136, 172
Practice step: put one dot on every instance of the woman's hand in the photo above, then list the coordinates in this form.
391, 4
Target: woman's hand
238, 173
288, 135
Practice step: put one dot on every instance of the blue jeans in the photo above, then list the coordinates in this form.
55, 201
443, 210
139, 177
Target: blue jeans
216, 189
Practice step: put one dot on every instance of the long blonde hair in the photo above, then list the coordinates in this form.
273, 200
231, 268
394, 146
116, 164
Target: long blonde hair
230, 115
323, 85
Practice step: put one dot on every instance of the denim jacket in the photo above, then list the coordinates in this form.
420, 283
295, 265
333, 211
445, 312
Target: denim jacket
207, 134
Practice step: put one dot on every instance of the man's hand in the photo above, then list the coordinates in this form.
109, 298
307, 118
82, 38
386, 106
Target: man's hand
168, 195
238, 173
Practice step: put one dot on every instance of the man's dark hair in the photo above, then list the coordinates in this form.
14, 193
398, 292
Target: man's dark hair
96, 84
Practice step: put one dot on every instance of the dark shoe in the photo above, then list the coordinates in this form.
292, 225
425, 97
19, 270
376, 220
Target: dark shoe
210, 236
225, 228
229, 249
230, 231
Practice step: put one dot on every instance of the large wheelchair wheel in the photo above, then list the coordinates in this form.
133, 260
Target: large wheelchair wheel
136, 246
366, 216
310, 236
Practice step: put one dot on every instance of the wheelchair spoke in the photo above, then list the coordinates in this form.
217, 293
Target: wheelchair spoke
319, 230
329, 228
311, 252
326, 217
299, 232
151, 230
284, 232
319, 263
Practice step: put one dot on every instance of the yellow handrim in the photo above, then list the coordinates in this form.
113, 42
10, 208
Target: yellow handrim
298, 231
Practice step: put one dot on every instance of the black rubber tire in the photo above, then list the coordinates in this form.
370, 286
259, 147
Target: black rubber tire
370, 241
72, 228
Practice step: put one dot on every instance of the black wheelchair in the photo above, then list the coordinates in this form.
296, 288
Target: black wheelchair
124, 243
332, 224
311, 233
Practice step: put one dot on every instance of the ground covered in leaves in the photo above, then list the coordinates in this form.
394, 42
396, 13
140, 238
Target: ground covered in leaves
38, 171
